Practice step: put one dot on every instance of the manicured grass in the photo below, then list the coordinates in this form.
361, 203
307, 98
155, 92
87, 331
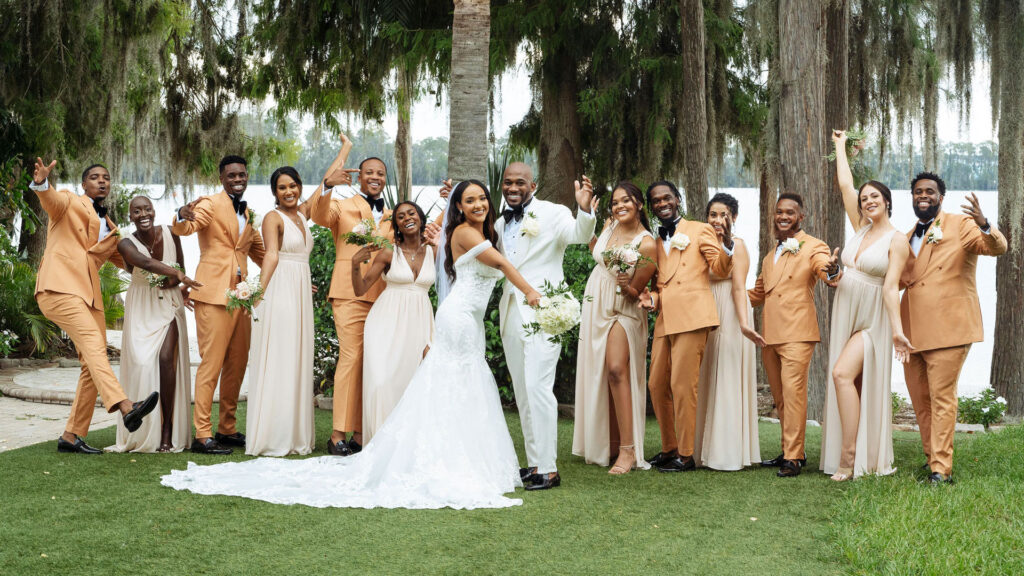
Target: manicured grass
109, 514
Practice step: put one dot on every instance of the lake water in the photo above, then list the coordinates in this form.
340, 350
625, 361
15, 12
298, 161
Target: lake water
975, 374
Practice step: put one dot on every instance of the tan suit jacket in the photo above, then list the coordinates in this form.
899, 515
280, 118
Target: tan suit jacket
74, 251
341, 216
786, 289
222, 250
940, 306
683, 282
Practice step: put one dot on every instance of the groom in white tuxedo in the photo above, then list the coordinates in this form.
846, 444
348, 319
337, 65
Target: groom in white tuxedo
533, 235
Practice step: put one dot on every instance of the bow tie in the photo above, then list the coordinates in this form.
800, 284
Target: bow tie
101, 210
921, 228
375, 203
666, 231
514, 213
238, 204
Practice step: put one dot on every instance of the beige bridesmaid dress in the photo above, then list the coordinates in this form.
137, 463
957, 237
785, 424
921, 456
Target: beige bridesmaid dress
591, 431
399, 326
148, 313
279, 420
858, 307
726, 437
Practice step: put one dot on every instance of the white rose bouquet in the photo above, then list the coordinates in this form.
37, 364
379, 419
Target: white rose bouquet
557, 314
623, 259
245, 295
365, 232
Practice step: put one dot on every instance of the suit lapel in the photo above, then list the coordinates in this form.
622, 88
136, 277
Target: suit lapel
499, 230
225, 211
780, 268
92, 220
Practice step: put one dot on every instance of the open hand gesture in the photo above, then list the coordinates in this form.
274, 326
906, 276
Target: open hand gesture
753, 336
446, 188
647, 300
584, 193
727, 240
901, 348
187, 212
186, 281
973, 209
42, 171
432, 233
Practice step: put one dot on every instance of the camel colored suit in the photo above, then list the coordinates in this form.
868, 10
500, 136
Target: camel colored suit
223, 336
68, 293
942, 317
350, 311
786, 290
687, 314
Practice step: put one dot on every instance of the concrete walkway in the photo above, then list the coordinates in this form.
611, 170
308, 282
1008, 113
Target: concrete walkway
23, 423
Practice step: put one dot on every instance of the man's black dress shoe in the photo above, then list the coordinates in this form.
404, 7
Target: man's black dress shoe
338, 449
209, 446
236, 439
354, 447
789, 469
661, 458
133, 419
935, 479
78, 446
525, 473
778, 460
678, 464
544, 482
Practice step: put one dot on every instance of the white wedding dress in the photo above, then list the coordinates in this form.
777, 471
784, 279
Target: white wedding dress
444, 445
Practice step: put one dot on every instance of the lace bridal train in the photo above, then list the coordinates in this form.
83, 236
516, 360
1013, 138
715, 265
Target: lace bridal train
445, 444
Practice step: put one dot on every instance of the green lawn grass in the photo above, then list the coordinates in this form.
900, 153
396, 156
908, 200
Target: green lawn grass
109, 515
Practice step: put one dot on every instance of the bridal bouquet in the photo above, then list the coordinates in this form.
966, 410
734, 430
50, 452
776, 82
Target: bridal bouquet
856, 140
245, 295
623, 259
366, 233
159, 280
557, 314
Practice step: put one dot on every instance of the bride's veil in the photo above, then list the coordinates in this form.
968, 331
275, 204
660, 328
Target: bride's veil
443, 285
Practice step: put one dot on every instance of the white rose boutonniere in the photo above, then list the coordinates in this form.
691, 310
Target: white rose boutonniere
679, 241
530, 226
254, 220
935, 234
792, 245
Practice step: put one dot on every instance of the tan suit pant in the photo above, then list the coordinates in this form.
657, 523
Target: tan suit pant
87, 328
931, 380
786, 367
675, 371
349, 320
224, 349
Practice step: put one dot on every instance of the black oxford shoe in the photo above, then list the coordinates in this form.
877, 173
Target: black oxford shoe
354, 447
236, 439
778, 460
133, 419
209, 446
661, 458
338, 449
544, 481
678, 464
77, 447
789, 469
525, 473
935, 479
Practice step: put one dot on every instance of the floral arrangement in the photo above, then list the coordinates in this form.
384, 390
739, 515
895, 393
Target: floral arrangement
557, 314
792, 245
159, 280
8, 340
986, 408
245, 295
935, 233
856, 140
364, 233
530, 226
623, 259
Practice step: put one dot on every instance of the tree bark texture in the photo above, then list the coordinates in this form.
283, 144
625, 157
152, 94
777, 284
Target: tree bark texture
403, 136
1008, 349
802, 148
471, 33
694, 136
33, 245
560, 153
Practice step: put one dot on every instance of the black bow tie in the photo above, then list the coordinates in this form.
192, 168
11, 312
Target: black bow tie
238, 204
375, 203
921, 228
666, 231
515, 213
101, 210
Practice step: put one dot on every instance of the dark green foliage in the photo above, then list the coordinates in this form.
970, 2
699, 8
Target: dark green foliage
325, 340
19, 311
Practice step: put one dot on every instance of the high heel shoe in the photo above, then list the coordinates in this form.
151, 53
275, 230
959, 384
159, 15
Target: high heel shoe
842, 475
618, 469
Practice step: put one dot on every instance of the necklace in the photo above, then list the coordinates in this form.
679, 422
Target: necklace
415, 253
148, 246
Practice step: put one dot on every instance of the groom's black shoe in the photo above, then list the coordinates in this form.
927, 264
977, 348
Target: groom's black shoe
236, 439
133, 419
935, 479
354, 447
209, 446
678, 464
78, 446
338, 449
661, 458
544, 481
778, 460
525, 473
789, 469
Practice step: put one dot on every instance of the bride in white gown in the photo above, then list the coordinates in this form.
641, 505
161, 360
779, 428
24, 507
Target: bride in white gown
446, 443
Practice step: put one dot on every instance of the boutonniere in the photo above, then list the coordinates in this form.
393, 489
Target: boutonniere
117, 232
530, 226
935, 233
792, 245
254, 220
679, 241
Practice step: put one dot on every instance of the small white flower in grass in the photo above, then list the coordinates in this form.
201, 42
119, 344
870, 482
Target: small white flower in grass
679, 241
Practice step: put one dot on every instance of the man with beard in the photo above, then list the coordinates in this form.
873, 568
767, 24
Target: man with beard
227, 239
785, 288
686, 315
533, 235
80, 237
941, 306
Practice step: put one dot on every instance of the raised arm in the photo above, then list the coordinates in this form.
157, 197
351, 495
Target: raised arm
845, 178
54, 203
580, 230
740, 266
361, 284
899, 251
973, 236
273, 231
202, 215
318, 206
719, 261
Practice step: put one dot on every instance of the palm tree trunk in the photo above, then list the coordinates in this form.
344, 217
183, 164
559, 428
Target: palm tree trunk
560, 153
694, 137
1008, 350
403, 136
471, 33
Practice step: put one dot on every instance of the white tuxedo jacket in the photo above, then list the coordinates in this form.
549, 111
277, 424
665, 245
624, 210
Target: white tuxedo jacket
539, 258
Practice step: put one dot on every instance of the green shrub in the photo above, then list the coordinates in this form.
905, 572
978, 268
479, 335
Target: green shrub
19, 311
897, 402
986, 408
325, 340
